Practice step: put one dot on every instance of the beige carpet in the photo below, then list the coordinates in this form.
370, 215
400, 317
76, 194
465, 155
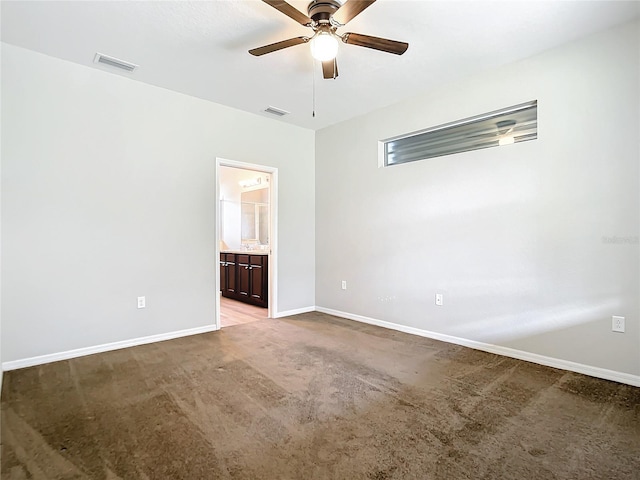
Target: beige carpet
314, 397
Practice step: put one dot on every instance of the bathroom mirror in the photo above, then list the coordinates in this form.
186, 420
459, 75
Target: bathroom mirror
255, 217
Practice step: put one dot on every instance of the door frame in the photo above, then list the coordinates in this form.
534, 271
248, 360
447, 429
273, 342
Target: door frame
273, 233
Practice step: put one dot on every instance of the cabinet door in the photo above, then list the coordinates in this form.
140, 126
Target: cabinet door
223, 273
229, 285
258, 278
244, 282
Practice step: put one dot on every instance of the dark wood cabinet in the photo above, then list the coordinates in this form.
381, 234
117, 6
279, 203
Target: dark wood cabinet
228, 274
245, 277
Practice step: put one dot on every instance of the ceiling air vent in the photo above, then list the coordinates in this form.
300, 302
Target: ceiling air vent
276, 111
114, 62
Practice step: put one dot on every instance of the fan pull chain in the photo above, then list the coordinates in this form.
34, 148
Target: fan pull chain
313, 76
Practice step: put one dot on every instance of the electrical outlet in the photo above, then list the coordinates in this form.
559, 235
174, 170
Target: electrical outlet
617, 324
344, 284
142, 302
439, 299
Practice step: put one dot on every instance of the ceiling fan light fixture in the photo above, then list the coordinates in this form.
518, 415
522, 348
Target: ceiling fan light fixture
324, 18
324, 46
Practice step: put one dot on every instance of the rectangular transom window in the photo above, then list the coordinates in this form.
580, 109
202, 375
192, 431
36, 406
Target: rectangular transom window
501, 127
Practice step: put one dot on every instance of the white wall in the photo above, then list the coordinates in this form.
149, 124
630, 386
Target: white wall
512, 236
108, 193
1, 370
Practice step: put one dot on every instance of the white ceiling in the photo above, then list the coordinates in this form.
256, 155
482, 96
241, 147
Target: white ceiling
200, 48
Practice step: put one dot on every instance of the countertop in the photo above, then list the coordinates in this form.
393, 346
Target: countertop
246, 252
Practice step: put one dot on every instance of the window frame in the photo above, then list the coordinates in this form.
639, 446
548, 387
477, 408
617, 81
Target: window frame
485, 127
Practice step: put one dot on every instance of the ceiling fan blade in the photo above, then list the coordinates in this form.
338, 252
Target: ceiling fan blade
273, 47
377, 43
330, 69
350, 9
289, 11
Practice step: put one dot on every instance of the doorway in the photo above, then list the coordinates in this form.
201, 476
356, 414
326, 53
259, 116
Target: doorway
246, 242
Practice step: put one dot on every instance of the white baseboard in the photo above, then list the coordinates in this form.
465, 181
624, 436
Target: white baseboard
80, 352
598, 372
297, 311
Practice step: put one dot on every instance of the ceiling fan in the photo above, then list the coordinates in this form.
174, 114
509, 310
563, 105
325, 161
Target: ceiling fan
324, 18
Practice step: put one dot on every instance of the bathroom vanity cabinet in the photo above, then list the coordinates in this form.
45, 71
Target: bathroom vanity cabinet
244, 277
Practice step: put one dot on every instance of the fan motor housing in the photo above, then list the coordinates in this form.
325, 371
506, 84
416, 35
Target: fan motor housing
320, 11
